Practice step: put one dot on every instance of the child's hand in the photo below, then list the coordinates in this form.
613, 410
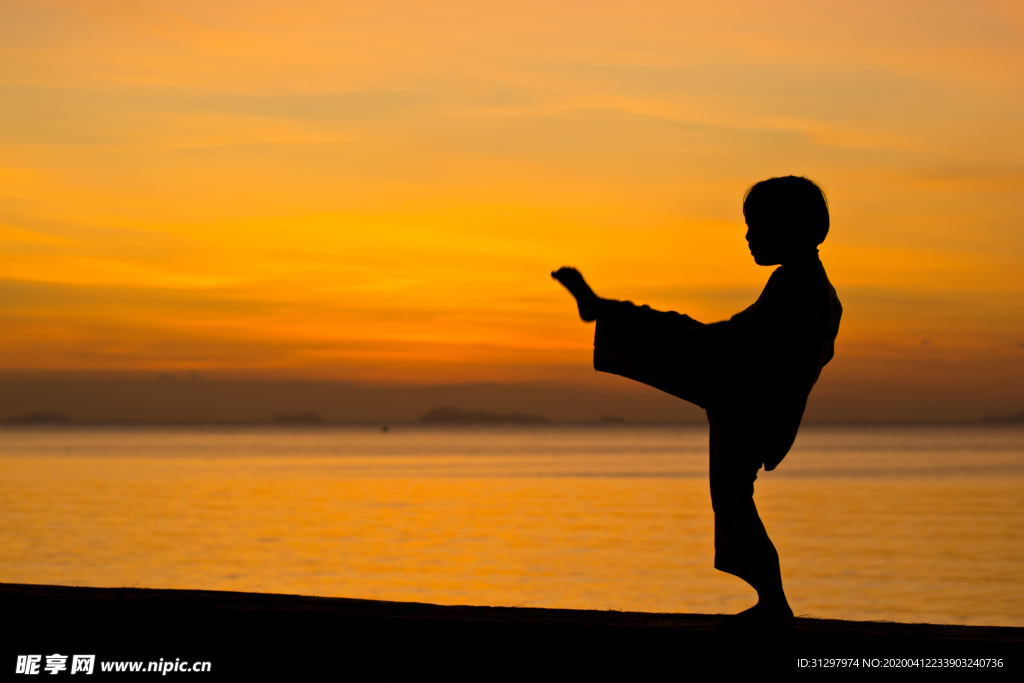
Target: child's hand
586, 301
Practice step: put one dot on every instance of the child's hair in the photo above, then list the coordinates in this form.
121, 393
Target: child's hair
791, 204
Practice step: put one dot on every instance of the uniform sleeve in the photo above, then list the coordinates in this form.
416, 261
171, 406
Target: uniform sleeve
666, 350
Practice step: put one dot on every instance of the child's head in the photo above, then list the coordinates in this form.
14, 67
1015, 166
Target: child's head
792, 210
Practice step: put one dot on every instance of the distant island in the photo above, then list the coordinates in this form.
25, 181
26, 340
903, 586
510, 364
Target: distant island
456, 416
151, 398
297, 419
1015, 418
40, 419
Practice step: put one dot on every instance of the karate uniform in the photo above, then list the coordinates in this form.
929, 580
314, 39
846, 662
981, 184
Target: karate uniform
752, 374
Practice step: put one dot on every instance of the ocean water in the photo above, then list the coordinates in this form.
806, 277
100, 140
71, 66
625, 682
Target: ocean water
919, 524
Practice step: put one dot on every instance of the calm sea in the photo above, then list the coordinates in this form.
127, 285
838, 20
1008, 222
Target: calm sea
893, 523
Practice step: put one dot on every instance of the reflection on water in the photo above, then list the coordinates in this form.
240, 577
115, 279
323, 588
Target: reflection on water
907, 524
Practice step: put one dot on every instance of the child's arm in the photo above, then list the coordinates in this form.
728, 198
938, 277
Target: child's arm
639, 342
652, 347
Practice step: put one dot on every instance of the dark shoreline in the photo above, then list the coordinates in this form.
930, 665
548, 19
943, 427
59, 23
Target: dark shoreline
245, 633
21, 424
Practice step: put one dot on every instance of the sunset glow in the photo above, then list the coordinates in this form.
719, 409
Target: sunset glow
378, 192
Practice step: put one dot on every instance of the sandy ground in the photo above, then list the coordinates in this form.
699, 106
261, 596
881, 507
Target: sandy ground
245, 634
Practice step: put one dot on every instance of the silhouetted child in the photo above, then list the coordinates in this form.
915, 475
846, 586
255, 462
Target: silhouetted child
751, 373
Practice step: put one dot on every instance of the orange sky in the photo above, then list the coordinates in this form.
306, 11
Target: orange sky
378, 192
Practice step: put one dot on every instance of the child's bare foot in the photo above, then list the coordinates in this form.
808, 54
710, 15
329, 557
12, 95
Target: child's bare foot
586, 301
762, 617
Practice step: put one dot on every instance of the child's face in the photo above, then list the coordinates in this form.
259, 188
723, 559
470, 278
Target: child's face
765, 249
